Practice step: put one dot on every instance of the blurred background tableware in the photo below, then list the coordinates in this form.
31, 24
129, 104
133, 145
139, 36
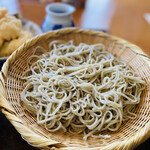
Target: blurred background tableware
31, 26
58, 16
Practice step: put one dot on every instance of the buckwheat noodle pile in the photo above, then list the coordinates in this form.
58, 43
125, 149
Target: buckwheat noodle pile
80, 89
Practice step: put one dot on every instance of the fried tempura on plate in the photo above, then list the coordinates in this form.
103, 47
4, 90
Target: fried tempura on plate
12, 45
10, 27
12, 34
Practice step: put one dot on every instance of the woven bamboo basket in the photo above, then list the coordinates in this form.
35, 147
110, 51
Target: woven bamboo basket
130, 134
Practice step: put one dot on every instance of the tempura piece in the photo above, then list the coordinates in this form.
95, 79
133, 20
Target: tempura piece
3, 12
12, 34
10, 46
10, 28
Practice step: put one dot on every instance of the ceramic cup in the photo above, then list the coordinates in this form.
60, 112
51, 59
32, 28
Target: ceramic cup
58, 16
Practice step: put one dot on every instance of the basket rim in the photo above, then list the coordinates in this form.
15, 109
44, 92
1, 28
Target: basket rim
36, 140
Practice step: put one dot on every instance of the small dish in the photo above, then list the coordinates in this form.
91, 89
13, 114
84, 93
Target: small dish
31, 26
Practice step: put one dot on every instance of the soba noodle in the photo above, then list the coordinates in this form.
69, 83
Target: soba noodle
80, 89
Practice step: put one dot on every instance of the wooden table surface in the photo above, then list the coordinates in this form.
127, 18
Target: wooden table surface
122, 18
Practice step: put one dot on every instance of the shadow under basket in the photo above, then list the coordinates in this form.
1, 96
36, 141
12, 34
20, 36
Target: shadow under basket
130, 134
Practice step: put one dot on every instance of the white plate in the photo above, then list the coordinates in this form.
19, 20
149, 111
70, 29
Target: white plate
31, 26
